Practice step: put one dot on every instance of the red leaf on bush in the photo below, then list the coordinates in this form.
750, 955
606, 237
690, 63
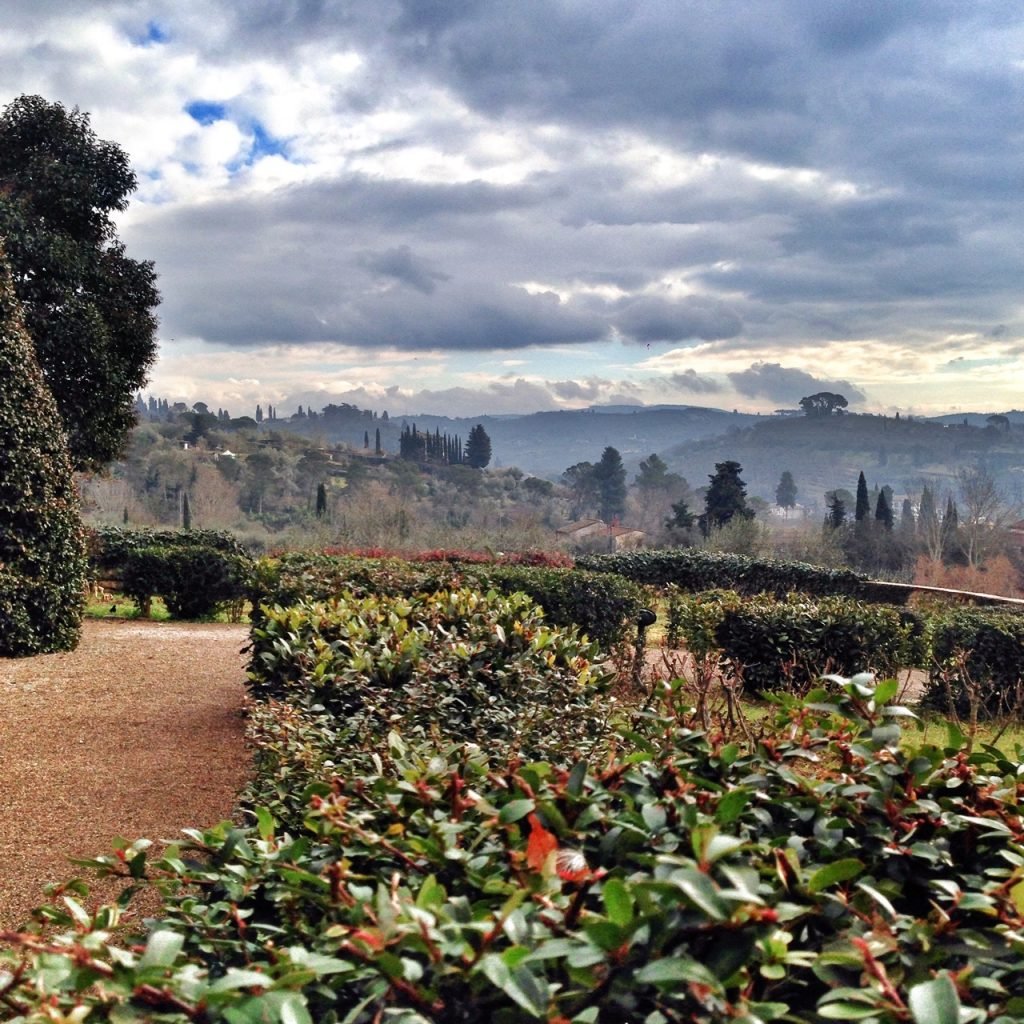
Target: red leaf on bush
540, 844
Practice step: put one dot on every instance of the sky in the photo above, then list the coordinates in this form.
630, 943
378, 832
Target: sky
497, 206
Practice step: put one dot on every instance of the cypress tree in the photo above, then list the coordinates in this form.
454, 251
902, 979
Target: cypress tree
863, 507
42, 548
186, 512
883, 514
378, 448
321, 500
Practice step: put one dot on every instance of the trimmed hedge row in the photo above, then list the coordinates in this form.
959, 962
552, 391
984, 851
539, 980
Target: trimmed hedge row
695, 570
194, 582
787, 645
479, 668
977, 658
109, 546
601, 605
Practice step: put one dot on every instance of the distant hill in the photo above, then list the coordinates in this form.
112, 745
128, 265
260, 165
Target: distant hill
823, 454
544, 443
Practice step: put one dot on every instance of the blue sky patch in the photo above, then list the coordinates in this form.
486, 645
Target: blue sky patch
205, 112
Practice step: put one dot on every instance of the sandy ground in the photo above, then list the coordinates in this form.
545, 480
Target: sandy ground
136, 733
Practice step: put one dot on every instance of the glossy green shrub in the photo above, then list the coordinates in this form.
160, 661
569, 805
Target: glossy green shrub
603, 606
42, 557
194, 582
977, 663
110, 546
786, 645
465, 666
695, 570
830, 873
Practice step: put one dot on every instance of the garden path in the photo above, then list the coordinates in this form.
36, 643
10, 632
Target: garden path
136, 733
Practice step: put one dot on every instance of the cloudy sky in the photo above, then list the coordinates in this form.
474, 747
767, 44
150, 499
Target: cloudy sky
473, 206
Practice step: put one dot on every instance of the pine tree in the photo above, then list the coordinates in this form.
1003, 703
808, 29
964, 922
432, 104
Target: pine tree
42, 549
726, 498
863, 507
836, 512
785, 493
478, 448
610, 475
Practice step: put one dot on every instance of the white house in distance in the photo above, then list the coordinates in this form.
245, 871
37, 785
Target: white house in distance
592, 532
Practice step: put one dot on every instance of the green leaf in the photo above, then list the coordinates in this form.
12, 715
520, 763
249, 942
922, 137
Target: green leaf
162, 949
514, 810
671, 971
265, 823
935, 1001
837, 871
617, 902
886, 690
732, 805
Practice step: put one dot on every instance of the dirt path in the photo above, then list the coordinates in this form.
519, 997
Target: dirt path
136, 733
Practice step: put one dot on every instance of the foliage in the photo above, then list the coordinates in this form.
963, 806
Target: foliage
88, 306
824, 403
695, 570
826, 873
601, 605
42, 557
786, 645
110, 546
194, 581
785, 493
610, 478
726, 498
478, 448
977, 665
478, 668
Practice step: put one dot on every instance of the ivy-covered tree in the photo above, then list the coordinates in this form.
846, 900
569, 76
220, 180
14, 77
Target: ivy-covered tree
88, 307
726, 498
478, 448
42, 550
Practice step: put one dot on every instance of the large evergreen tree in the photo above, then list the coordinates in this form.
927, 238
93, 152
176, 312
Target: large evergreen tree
42, 552
726, 498
88, 308
610, 475
478, 448
863, 507
785, 493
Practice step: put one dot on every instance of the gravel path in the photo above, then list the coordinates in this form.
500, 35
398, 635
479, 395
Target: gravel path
136, 733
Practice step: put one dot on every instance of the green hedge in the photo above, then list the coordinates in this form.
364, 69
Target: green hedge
602, 605
110, 546
786, 645
977, 659
695, 570
472, 667
828, 873
194, 581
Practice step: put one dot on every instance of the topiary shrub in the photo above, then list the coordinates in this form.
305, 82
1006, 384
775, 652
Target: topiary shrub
42, 554
194, 582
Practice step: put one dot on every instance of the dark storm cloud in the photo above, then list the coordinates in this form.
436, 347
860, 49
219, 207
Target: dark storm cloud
788, 384
401, 265
650, 319
690, 380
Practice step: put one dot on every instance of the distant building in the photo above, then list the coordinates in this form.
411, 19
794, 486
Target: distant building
596, 534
